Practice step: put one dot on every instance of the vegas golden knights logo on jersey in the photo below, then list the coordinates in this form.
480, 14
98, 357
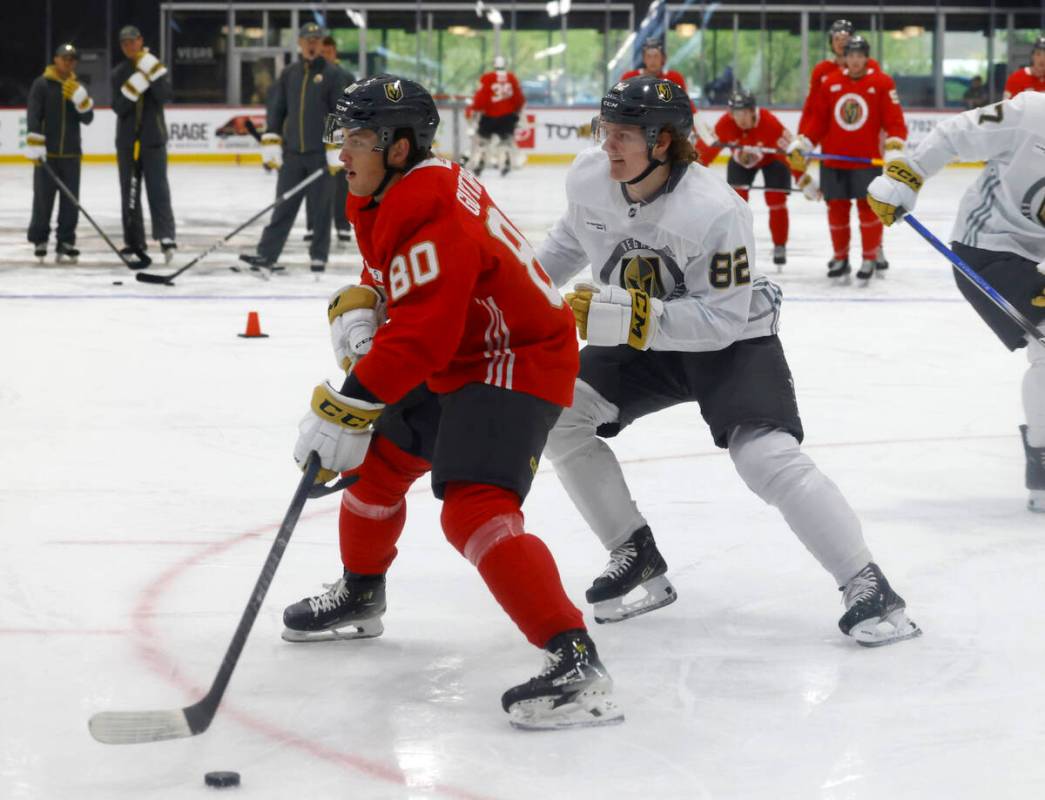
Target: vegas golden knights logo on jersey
394, 91
641, 272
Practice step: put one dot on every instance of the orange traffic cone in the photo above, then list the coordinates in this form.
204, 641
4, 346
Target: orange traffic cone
253, 327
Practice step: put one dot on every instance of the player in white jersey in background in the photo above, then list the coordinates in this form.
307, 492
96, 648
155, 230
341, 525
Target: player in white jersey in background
999, 232
678, 313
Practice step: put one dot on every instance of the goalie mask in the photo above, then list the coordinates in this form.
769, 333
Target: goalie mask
385, 104
651, 103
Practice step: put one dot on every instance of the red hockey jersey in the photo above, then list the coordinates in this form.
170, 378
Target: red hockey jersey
498, 95
769, 131
1023, 80
468, 302
849, 115
827, 68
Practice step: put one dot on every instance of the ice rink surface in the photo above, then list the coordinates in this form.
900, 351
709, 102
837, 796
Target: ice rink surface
146, 465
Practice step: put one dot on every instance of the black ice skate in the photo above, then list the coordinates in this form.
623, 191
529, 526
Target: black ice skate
65, 253
573, 690
880, 262
779, 255
168, 246
40, 251
875, 614
636, 564
838, 268
344, 237
1034, 474
866, 271
348, 609
259, 264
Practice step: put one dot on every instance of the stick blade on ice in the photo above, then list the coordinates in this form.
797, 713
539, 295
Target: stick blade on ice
135, 727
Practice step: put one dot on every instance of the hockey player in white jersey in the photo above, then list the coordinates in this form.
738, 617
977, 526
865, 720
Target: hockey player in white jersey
678, 313
999, 232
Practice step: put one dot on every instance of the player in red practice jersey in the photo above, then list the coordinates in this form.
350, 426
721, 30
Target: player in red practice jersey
753, 133
653, 62
498, 100
850, 112
837, 36
1032, 78
461, 356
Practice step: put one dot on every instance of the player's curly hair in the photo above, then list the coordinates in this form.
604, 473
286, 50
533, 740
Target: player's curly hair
681, 150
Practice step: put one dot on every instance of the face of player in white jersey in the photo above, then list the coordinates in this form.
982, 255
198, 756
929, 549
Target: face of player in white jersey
626, 147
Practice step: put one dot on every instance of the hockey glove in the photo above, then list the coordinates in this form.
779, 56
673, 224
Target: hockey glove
796, 153
271, 150
893, 149
895, 193
36, 147
355, 313
135, 86
338, 428
334, 165
73, 90
150, 66
609, 315
810, 189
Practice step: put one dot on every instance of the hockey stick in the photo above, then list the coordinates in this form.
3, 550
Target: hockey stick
874, 162
764, 189
977, 280
168, 280
142, 261
133, 727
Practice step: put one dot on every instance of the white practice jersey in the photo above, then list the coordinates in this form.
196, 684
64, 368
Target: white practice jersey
693, 247
1005, 209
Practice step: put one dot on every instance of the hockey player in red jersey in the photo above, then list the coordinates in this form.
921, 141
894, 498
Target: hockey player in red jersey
838, 36
498, 100
461, 356
1032, 78
849, 114
750, 132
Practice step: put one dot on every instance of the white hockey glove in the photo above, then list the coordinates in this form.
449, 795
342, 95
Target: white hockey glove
810, 189
894, 193
271, 150
338, 428
334, 165
135, 86
150, 66
893, 149
609, 315
73, 90
36, 147
355, 313
796, 151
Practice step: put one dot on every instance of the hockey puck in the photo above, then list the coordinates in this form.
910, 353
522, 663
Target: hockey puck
221, 780
117, 283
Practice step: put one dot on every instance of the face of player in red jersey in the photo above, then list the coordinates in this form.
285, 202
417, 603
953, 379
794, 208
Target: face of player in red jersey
745, 118
653, 60
364, 165
838, 42
856, 63
1037, 63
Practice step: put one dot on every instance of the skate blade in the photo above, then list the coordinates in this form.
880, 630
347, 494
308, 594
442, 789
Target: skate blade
658, 593
592, 708
895, 627
64, 260
369, 629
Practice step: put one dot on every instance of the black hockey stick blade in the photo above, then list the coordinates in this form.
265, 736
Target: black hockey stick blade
136, 727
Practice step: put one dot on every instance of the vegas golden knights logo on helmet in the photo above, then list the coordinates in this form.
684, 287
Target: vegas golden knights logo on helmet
640, 272
664, 91
394, 91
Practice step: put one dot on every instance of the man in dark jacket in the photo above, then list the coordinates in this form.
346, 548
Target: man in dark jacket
140, 87
58, 105
298, 104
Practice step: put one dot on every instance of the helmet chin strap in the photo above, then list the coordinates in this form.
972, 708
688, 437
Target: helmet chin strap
652, 165
390, 172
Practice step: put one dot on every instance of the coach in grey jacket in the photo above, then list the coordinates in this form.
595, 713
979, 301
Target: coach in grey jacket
58, 105
298, 104
140, 87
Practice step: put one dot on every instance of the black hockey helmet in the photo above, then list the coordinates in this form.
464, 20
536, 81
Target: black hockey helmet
840, 26
653, 43
741, 98
385, 104
857, 44
650, 102
1039, 44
